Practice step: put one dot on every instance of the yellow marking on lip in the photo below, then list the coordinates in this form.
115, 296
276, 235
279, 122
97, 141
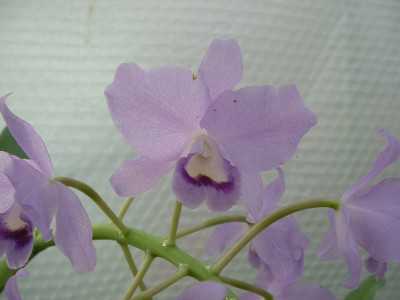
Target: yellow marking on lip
208, 162
13, 222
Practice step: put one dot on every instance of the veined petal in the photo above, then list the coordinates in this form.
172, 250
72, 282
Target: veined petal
16, 238
11, 287
223, 235
205, 290
137, 176
33, 194
221, 68
73, 235
157, 112
375, 219
206, 176
385, 158
258, 127
27, 139
6, 188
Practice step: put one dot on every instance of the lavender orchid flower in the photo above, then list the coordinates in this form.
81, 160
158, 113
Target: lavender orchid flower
369, 216
11, 288
218, 139
291, 291
36, 199
279, 248
204, 290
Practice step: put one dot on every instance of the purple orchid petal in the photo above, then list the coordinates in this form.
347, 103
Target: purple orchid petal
159, 112
252, 190
222, 66
6, 188
223, 235
137, 176
388, 156
205, 290
27, 139
376, 267
16, 238
11, 287
253, 258
375, 219
259, 127
340, 240
192, 190
329, 248
281, 247
305, 291
33, 194
73, 235
348, 247
272, 194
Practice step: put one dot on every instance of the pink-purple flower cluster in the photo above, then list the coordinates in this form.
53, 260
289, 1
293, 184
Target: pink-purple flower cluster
218, 140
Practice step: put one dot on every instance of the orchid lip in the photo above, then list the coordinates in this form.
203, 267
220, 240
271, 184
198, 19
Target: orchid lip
186, 151
208, 165
12, 227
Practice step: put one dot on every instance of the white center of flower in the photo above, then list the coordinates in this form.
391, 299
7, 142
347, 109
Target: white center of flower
13, 222
208, 162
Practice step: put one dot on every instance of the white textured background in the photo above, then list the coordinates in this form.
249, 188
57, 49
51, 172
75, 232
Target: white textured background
58, 57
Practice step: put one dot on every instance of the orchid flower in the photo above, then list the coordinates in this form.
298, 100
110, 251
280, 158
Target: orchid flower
280, 247
218, 140
33, 199
369, 216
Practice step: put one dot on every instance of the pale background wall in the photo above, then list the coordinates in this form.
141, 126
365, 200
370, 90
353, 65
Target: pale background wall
58, 57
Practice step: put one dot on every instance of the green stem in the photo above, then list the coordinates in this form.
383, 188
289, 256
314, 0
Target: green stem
92, 194
247, 287
264, 223
143, 269
138, 239
124, 208
210, 223
182, 272
131, 264
174, 224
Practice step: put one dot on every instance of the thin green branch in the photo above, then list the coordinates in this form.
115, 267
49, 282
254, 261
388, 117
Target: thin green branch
264, 223
136, 238
182, 272
131, 264
247, 287
143, 269
210, 223
174, 224
124, 208
92, 194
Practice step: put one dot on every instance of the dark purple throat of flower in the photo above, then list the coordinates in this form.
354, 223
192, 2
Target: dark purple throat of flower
208, 176
14, 229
